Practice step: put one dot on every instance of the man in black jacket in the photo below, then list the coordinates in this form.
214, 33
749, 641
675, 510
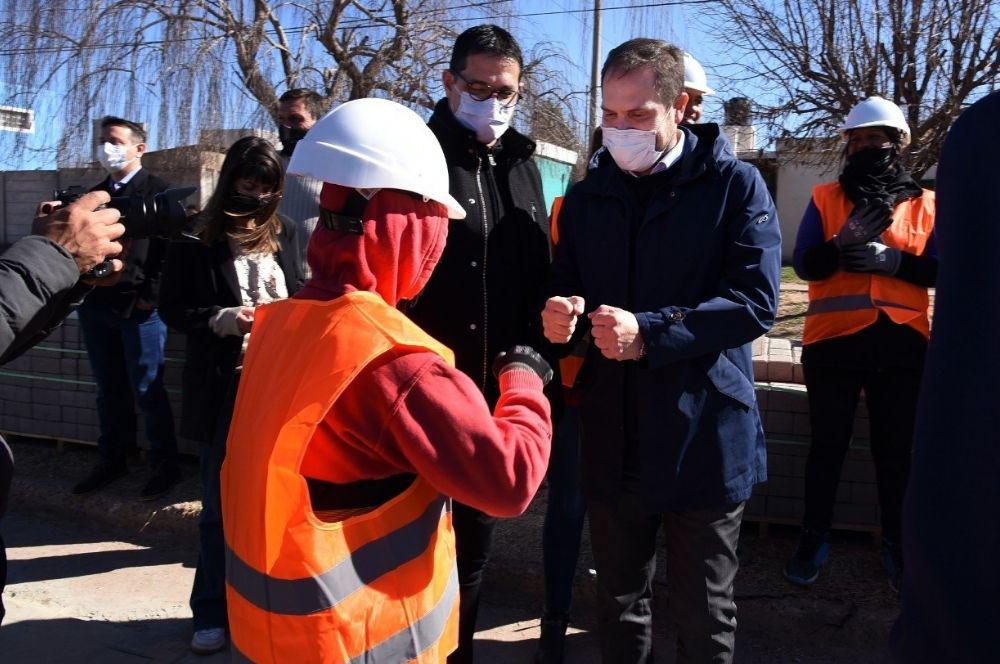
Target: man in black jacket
484, 294
124, 335
40, 283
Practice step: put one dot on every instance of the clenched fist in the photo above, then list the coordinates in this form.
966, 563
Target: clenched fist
559, 318
616, 333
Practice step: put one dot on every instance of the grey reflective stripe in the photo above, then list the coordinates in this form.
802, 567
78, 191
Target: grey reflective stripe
829, 305
299, 597
407, 644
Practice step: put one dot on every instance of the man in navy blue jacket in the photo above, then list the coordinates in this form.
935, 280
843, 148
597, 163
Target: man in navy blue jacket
670, 258
950, 533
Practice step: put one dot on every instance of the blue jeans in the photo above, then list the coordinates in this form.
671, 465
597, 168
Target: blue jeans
208, 595
126, 357
564, 515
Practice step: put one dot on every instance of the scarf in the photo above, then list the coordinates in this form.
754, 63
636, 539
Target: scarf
876, 173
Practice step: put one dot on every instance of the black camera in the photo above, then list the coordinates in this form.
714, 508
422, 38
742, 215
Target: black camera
160, 215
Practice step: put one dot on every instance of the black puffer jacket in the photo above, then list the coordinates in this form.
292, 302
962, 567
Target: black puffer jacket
486, 292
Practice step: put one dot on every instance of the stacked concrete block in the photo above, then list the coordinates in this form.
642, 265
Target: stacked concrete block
50, 392
784, 407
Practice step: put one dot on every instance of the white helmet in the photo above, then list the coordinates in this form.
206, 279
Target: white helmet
376, 144
876, 112
694, 76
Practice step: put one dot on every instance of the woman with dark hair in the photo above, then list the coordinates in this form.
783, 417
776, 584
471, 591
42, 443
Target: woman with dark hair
247, 256
866, 246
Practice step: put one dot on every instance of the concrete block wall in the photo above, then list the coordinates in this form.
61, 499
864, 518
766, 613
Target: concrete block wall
50, 392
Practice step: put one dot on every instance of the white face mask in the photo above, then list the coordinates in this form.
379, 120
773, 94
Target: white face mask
488, 118
112, 157
632, 149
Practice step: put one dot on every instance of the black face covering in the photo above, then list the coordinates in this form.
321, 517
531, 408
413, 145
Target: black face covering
290, 136
244, 205
876, 173
871, 162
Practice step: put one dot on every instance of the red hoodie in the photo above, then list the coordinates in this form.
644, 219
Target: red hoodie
409, 412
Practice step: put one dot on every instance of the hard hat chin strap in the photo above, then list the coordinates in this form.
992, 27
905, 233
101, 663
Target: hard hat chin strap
348, 220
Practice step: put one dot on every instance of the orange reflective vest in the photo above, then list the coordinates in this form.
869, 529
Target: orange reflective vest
381, 586
845, 302
569, 366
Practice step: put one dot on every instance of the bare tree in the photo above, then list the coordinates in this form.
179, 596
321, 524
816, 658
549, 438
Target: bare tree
817, 58
180, 61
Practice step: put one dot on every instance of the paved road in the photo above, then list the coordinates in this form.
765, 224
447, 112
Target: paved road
78, 593
81, 592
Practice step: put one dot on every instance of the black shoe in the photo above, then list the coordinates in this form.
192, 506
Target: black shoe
102, 475
552, 641
803, 568
163, 479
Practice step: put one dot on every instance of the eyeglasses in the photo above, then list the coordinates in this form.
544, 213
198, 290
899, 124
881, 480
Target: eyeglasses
481, 91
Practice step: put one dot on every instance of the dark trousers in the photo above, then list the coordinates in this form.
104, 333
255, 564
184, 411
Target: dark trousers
473, 538
126, 357
701, 566
564, 515
6, 477
891, 396
208, 594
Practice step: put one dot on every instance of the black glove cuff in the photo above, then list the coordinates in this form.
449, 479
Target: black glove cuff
527, 356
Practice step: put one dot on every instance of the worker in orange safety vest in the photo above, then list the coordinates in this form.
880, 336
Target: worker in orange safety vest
352, 429
866, 246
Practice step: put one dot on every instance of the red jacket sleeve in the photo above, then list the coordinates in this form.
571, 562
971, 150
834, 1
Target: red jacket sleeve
414, 413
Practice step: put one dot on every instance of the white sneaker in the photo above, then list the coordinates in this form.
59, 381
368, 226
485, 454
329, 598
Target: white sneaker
208, 641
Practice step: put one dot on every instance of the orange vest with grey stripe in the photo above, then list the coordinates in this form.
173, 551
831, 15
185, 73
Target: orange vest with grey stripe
845, 302
380, 586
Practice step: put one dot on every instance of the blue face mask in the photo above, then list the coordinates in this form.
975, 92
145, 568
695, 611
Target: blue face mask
488, 118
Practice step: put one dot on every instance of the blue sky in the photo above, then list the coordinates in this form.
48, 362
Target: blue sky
570, 32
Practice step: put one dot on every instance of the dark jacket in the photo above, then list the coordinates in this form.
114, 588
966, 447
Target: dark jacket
199, 281
39, 287
950, 533
484, 294
705, 278
144, 261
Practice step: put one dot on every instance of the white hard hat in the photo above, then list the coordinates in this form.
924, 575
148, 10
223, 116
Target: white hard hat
694, 76
876, 112
376, 144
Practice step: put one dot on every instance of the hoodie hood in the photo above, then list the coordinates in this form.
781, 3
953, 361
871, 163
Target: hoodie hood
404, 236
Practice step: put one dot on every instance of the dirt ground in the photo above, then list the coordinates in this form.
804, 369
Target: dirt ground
792, 307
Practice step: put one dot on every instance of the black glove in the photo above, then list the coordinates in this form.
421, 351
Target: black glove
866, 221
522, 357
873, 258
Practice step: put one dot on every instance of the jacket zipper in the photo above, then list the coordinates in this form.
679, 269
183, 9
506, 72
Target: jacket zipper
482, 207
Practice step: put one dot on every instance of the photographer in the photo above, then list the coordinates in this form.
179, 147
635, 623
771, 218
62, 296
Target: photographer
40, 283
123, 333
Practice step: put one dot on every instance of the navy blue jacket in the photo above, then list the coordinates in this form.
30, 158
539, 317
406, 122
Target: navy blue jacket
706, 277
950, 532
